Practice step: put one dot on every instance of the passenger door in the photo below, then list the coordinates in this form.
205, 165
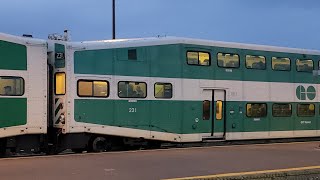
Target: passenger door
218, 114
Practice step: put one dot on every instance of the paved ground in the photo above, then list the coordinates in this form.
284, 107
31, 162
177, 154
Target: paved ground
161, 164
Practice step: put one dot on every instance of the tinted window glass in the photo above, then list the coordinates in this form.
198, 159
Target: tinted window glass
132, 89
93, 88
198, 58
306, 110
163, 90
281, 110
228, 60
206, 110
256, 110
305, 65
281, 64
255, 62
11, 86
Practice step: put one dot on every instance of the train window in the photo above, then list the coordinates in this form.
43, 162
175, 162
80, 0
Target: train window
93, 88
228, 60
130, 89
132, 54
304, 65
11, 86
256, 110
281, 110
255, 62
206, 110
163, 90
306, 110
219, 111
60, 83
198, 58
281, 64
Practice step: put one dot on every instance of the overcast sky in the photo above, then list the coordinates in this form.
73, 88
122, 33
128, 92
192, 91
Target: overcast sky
289, 23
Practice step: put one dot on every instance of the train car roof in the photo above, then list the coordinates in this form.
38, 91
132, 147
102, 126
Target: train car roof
22, 40
138, 42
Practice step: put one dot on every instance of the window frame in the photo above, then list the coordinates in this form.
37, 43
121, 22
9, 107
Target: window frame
91, 80
305, 60
282, 104
282, 58
163, 83
23, 81
146, 95
265, 59
55, 85
198, 64
256, 116
314, 114
228, 67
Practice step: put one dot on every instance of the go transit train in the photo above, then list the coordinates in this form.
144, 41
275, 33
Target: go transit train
96, 95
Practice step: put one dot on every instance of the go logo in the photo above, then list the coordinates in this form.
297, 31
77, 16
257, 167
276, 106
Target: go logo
303, 94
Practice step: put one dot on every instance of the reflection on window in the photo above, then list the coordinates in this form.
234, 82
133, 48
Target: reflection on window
92, 88
228, 60
219, 111
163, 90
255, 62
131, 89
281, 110
206, 110
281, 64
257, 110
11, 86
198, 58
60, 86
305, 65
306, 110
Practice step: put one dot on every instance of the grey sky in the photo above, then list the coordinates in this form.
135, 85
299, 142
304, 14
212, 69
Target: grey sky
290, 23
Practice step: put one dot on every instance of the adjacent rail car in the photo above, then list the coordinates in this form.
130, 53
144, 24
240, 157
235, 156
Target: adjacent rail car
185, 90
23, 94
97, 95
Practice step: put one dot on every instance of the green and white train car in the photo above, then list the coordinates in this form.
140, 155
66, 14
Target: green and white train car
182, 90
23, 93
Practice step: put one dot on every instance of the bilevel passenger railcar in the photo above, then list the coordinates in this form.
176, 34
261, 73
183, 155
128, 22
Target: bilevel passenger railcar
183, 90
103, 94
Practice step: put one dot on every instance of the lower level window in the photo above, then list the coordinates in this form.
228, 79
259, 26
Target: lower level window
281, 110
11, 86
93, 88
163, 90
130, 89
256, 110
306, 110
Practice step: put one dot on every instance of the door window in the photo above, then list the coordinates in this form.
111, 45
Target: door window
219, 110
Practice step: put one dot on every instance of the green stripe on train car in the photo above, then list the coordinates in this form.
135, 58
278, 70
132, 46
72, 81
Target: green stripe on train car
179, 116
170, 61
13, 112
13, 56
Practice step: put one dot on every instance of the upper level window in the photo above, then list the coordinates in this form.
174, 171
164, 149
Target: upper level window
130, 89
163, 90
255, 62
304, 65
228, 60
11, 86
281, 64
281, 110
93, 88
198, 58
60, 83
306, 110
256, 110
